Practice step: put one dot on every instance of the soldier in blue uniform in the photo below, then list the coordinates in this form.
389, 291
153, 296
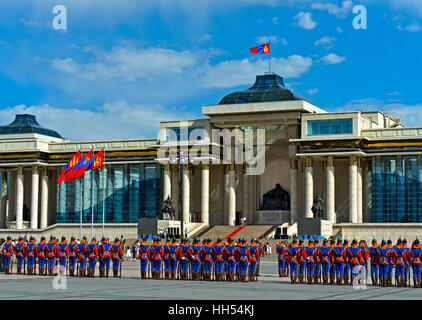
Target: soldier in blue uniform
144, 256
41, 256
406, 249
218, 256
32, 253
207, 260
116, 256
184, 259
92, 253
8, 251
230, 259
82, 257
105, 256
194, 251
20, 254
72, 255
63, 251
293, 252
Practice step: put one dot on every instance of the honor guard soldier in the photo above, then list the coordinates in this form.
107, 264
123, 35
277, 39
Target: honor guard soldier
384, 256
253, 250
73, 249
390, 263
166, 259
218, 256
302, 261
354, 257
399, 261
92, 253
374, 255
32, 253
158, 253
20, 254
317, 268
104, 252
207, 260
293, 252
308, 254
82, 257
325, 253
63, 253
144, 256
194, 252
415, 256
40, 252
243, 257
339, 253
346, 264
116, 256
184, 259
365, 256
230, 259
406, 249
50, 251
8, 251
281, 258
173, 248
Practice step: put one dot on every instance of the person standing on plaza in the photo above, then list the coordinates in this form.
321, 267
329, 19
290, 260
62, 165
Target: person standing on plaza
8, 251
116, 256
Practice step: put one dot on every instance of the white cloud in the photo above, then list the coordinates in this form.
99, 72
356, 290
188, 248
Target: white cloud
114, 120
234, 73
273, 39
339, 30
312, 91
275, 20
332, 58
205, 37
326, 42
339, 11
304, 20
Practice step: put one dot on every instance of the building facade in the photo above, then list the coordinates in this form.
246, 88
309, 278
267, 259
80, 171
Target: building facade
365, 166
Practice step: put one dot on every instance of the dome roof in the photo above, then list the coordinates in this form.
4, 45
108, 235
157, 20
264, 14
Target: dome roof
267, 88
27, 123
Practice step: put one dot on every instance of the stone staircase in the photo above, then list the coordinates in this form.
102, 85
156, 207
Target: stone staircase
251, 231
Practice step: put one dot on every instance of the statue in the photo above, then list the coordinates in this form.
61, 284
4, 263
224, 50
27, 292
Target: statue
317, 207
167, 209
276, 199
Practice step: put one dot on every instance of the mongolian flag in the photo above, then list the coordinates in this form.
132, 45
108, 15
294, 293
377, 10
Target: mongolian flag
99, 160
79, 169
264, 48
71, 163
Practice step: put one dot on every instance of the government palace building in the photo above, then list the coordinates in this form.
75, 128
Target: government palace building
363, 167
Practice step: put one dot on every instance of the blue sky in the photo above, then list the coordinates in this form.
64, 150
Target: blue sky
123, 66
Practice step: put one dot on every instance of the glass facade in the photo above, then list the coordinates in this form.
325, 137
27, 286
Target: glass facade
329, 126
397, 189
193, 133
129, 191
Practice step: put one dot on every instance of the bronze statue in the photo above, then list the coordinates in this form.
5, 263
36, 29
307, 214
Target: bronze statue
317, 207
167, 209
276, 199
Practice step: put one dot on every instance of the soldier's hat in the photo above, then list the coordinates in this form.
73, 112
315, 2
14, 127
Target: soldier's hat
300, 241
404, 241
294, 241
42, 238
383, 242
72, 239
374, 241
51, 237
399, 241
338, 241
94, 239
345, 241
63, 238
325, 241
416, 241
103, 239
316, 241
230, 240
354, 241
9, 238
333, 241
20, 238
117, 239
219, 240
310, 241
389, 241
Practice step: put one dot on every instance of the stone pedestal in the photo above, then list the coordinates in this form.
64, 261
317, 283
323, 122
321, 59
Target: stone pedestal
272, 217
314, 227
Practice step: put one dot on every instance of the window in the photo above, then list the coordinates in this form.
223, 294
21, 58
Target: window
329, 126
193, 133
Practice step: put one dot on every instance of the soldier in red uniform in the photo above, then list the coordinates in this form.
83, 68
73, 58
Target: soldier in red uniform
116, 256
20, 253
7, 252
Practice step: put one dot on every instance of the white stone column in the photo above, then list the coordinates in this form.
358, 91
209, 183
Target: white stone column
309, 187
186, 195
245, 196
175, 190
44, 198
3, 199
166, 182
293, 191
226, 169
34, 198
331, 216
232, 196
359, 192
205, 194
19, 199
353, 192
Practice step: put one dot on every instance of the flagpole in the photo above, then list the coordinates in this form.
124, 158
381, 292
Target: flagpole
269, 56
80, 207
92, 204
104, 191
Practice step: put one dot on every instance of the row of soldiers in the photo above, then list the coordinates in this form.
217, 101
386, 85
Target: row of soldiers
335, 261
205, 259
63, 255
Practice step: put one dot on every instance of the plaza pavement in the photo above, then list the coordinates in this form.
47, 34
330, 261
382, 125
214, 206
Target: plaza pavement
131, 286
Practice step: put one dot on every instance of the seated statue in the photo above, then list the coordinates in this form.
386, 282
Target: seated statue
276, 199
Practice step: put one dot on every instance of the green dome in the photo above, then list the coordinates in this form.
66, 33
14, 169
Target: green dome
27, 123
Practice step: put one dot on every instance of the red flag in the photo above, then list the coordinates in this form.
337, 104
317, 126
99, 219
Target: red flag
99, 160
264, 48
72, 162
80, 168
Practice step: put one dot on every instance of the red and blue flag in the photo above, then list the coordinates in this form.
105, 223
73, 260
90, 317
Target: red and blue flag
264, 48
70, 164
